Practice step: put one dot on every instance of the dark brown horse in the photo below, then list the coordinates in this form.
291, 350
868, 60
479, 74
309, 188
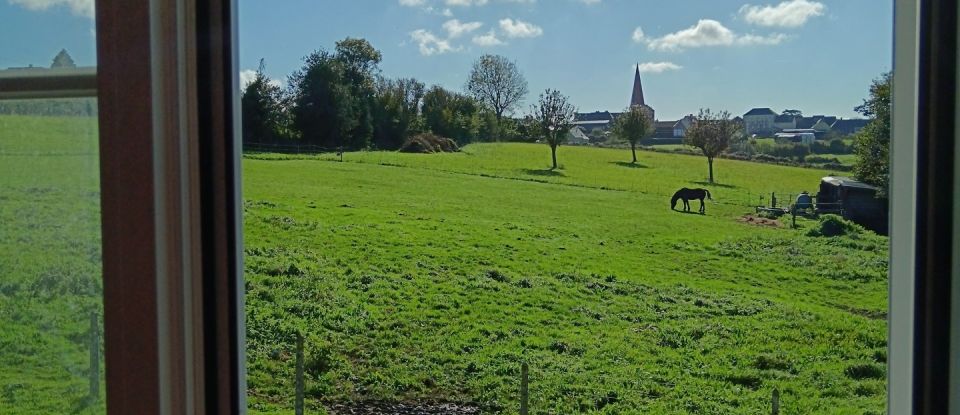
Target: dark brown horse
687, 195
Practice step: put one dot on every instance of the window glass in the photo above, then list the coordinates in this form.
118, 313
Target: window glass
51, 358
566, 206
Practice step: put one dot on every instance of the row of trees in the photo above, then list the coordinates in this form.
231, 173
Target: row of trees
339, 100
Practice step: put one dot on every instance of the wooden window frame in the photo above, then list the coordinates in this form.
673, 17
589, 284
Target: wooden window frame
173, 293
170, 171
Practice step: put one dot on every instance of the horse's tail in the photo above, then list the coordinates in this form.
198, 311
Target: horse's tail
708, 194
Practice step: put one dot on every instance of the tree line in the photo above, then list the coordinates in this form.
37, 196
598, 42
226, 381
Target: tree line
339, 100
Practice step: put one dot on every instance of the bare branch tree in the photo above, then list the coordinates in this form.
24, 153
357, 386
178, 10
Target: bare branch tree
497, 83
712, 133
553, 116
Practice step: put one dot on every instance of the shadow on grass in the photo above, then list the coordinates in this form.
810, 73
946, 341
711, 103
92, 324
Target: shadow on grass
693, 211
725, 186
544, 172
630, 165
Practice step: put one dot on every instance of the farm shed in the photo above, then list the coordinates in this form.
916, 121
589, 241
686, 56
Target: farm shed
856, 201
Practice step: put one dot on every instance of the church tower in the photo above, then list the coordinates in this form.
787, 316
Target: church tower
63, 60
637, 99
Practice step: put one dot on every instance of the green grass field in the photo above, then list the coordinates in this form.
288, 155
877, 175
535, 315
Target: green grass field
423, 277
50, 277
432, 277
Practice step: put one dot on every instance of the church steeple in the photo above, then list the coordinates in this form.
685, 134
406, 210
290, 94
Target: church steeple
637, 99
63, 60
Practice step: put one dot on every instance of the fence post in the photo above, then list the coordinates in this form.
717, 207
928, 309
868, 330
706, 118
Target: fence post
94, 358
524, 390
298, 400
775, 402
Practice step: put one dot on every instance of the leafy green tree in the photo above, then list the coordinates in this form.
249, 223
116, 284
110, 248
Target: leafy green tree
396, 111
633, 125
262, 110
794, 113
497, 83
333, 95
451, 115
553, 116
712, 133
360, 62
872, 144
325, 111
490, 129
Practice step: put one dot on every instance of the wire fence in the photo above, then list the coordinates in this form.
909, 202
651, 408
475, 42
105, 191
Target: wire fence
289, 148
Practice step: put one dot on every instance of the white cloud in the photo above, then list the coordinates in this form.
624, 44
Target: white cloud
790, 13
430, 44
520, 29
465, 3
638, 35
769, 40
248, 75
706, 33
78, 7
658, 67
426, 4
489, 39
456, 29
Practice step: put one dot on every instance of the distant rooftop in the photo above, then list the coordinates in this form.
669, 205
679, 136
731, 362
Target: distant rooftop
760, 111
847, 182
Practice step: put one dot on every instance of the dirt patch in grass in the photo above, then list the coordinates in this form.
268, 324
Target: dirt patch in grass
758, 221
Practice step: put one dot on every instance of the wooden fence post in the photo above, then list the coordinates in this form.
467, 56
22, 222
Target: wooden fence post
298, 400
524, 390
94, 358
775, 402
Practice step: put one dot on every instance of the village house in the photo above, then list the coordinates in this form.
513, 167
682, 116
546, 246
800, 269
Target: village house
764, 122
760, 121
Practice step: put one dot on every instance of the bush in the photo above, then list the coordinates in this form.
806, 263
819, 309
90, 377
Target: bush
429, 143
822, 159
834, 225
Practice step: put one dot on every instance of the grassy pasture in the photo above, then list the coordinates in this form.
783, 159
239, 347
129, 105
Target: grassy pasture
422, 277
50, 277
431, 277
656, 174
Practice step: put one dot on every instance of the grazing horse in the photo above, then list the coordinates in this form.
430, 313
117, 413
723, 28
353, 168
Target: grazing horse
687, 195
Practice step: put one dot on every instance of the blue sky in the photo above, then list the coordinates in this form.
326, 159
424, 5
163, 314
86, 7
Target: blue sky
817, 56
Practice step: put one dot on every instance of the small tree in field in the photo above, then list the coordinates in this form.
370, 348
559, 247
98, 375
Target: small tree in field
633, 125
553, 117
712, 133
